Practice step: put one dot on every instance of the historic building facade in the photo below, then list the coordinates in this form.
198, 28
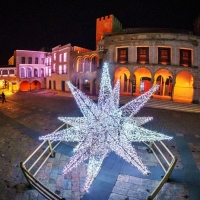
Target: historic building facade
31, 68
140, 58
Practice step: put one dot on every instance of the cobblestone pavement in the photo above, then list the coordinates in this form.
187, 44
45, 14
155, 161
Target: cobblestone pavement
26, 116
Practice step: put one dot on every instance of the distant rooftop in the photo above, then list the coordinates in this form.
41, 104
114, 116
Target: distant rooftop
151, 30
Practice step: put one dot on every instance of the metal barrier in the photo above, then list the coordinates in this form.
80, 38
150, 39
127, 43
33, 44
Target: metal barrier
153, 147
30, 174
33, 182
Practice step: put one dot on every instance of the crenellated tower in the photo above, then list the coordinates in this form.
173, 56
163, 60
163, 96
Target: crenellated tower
107, 24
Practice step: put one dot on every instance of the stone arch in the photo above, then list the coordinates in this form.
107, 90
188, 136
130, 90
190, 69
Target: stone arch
141, 80
123, 74
165, 79
29, 72
94, 62
22, 72
24, 86
5, 85
79, 64
35, 85
183, 90
86, 84
86, 61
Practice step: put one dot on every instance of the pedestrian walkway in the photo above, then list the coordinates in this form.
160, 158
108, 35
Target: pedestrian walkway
26, 116
152, 103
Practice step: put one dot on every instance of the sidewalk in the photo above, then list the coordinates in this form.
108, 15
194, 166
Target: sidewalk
152, 103
26, 116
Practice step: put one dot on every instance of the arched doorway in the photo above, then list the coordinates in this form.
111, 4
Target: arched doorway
35, 85
145, 84
86, 85
123, 74
142, 80
183, 90
94, 85
76, 83
168, 86
160, 82
164, 79
24, 86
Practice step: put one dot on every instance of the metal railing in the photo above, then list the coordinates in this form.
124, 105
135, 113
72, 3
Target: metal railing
30, 172
167, 166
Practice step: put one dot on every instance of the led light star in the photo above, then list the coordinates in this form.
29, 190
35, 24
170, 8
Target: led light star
105, 127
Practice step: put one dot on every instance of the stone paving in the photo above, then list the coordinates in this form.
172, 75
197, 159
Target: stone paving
133, 188
25, 116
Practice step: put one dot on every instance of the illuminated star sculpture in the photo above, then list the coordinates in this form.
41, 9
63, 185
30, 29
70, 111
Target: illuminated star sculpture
105, 127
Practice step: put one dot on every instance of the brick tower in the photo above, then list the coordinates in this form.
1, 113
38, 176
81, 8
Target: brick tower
107, 24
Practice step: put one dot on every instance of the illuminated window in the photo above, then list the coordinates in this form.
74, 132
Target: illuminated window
22, 73
65, 69
35, 73
80, 65
46, 71
49, 72
54, 56
41, 72
164, 56
36, 60
23, 60
60, 58
29, 73
185, 57
122, 55
60, 69
49, 61
54, 68
65, 57
143, 55
29, 60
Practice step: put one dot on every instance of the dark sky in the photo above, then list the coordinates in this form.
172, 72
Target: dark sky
32, 24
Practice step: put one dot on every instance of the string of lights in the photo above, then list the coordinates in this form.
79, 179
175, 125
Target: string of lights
105, 127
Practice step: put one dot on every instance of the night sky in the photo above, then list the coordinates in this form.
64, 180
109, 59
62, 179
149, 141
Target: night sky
31, 25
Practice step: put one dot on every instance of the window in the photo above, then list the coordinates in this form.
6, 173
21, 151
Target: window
185, 57
143, 55
41, 72
60, 69
87, 65
54, 68
64, 69
35, 73
46, 71
60, 58
164, 56
49, 61
65, 57
94, 63
42, 60
22, 73
29, 72
122, 55
49, 72
80, 65
23, 60
36, 60
29, 60
54, 56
